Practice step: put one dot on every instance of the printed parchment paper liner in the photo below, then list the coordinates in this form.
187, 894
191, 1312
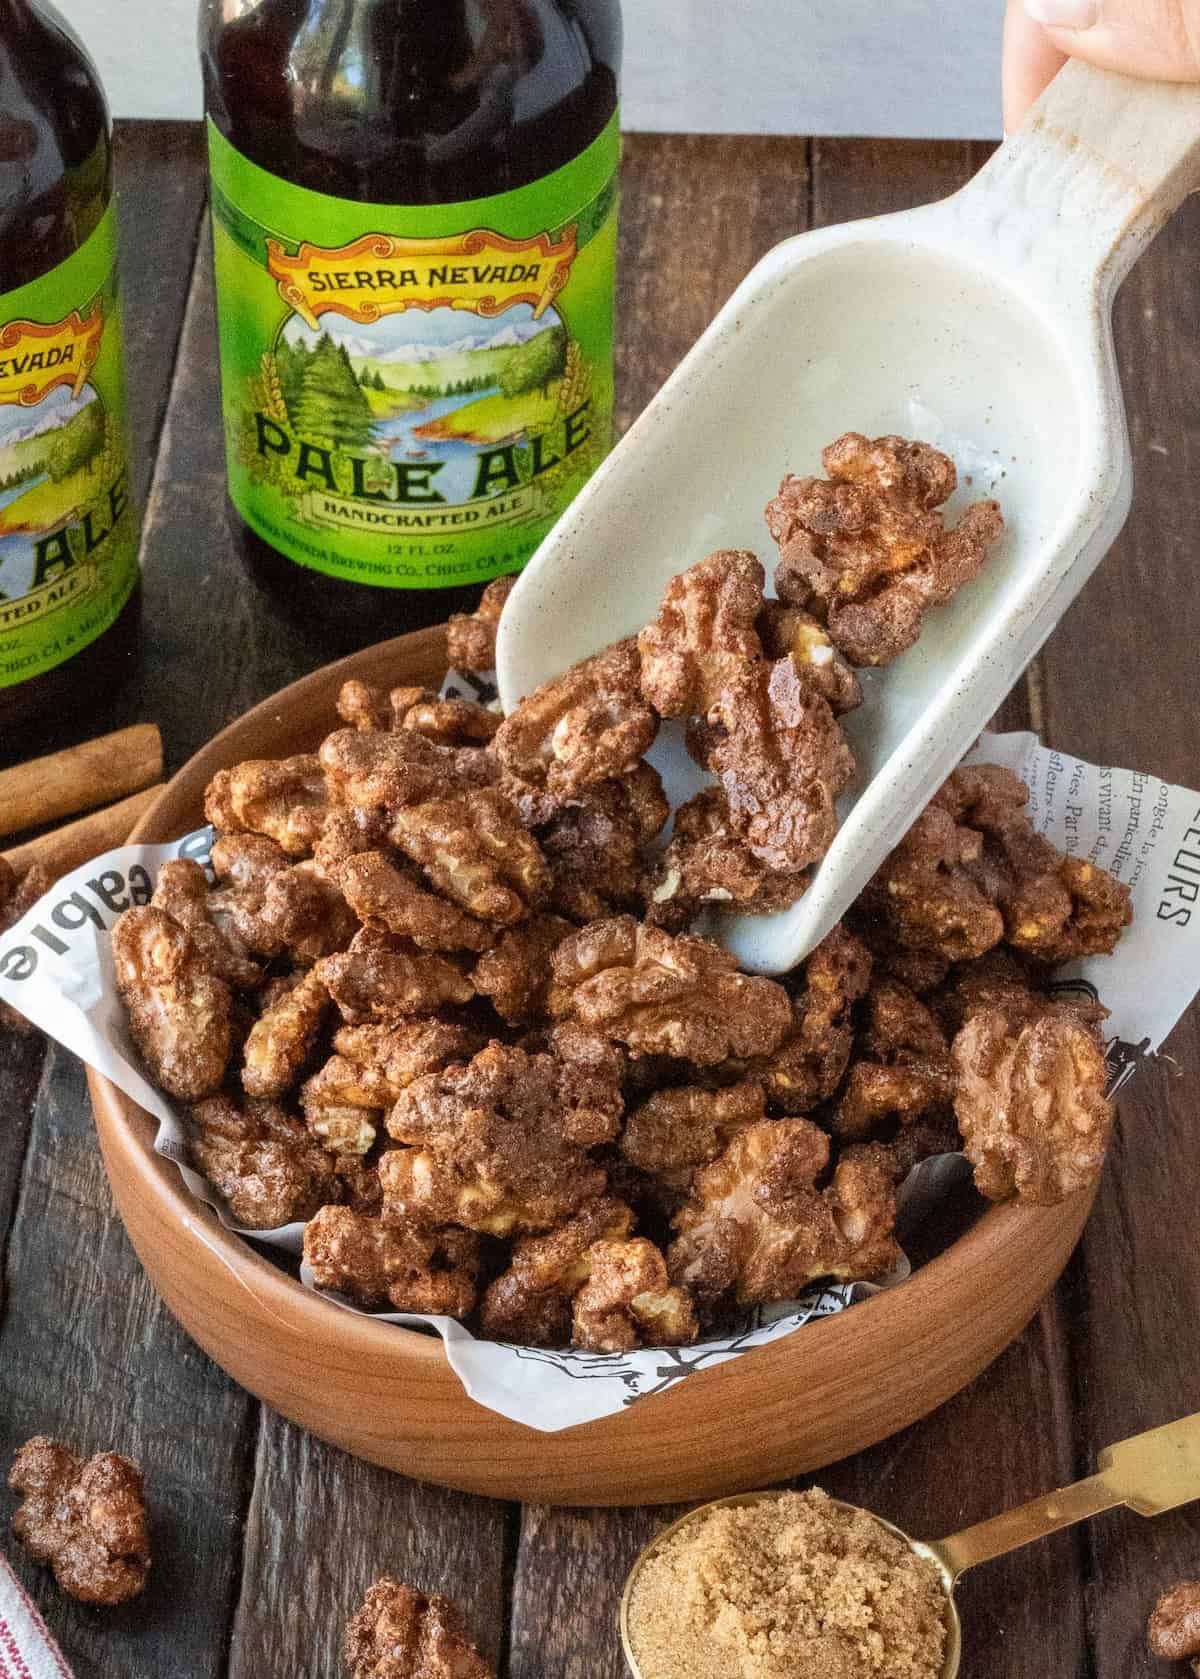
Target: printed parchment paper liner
56, 967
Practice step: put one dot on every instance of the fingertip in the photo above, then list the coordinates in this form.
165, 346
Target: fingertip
1030, 62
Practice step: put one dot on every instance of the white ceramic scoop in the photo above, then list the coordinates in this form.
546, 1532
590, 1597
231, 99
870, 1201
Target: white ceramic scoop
980, 324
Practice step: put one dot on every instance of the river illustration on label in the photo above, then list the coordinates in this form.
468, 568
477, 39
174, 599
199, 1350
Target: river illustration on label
423, 390
61, 466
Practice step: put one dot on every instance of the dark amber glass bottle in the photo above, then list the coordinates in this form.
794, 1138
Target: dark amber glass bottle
407, 195
69, 599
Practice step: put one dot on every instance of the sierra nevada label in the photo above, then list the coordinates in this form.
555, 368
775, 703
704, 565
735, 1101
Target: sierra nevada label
412, 394
68, 543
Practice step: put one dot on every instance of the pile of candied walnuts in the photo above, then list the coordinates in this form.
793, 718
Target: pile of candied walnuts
441, 1002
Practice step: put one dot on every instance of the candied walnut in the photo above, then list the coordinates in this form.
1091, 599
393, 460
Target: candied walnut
706, 863
344, 1105
808, 1066
501, 1143
662, 995
1055, 908
181, 891
408, 1267
84, 1518
515, 974
452, 721
628, 1301
276, 908
471, 636
409, 1050
756, 1227
593, 844
926, 895
530, 1303
358, 1183
473, 849
997, 980
384, 895
398, 1632
261, 1159
905, 1071
1031, 1106
179, 1012
588, 725
703, 633
864, 549
782, 760
1173, 1632
382, 977
912, 1144
283, 798
282, 1038
362, 706
19, 893
375, 772
788, 632
345, 834
678, 1129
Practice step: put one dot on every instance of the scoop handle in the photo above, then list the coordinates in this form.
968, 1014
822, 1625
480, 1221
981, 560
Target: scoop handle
1149, 1472
1096, 169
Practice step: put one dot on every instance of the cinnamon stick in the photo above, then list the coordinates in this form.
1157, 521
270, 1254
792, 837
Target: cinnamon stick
93, 773
65, 848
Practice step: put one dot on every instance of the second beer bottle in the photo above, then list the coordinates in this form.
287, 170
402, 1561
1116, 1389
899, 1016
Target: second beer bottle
414, 225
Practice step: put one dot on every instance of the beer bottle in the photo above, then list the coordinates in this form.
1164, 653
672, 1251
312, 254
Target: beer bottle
414, 227
69, 592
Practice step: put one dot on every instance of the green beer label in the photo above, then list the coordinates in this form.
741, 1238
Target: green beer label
68, 540
413, 394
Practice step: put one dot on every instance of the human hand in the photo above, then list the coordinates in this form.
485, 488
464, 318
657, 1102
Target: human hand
1159, 39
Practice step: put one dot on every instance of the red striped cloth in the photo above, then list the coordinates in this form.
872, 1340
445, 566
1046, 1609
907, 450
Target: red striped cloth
27, 1650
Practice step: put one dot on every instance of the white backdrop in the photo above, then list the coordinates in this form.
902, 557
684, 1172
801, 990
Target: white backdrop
878, 67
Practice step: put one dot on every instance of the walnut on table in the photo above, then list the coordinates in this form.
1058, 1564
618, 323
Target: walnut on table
757, 1229
807, 1067
281, 1040
261, 1160
529, 1304
471, 636
662, 995
84, 1518
1173, 1632
398, 1632
284, 798
629, 1301
706, 863
474, 850
782, 760
1031, 1107
381, 1263
385, 978
703, 633
179, 1011
501, 1144
865, 551
588, 725
18, 893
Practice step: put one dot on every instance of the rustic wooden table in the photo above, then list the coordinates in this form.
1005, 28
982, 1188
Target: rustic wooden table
264, 1537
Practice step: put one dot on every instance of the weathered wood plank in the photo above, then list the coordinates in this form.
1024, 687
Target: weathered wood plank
1120, 679
87, 1352
322, 1526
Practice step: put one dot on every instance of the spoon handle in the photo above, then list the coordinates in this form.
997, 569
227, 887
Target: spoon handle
1089, 178
1150, 1472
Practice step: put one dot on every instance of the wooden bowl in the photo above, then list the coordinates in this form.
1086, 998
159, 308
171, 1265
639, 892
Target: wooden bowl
388, 1394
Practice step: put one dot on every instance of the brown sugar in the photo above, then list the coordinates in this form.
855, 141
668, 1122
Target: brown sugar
790, 1587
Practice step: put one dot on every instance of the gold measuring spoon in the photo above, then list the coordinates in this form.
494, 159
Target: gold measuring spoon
1150, 1473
